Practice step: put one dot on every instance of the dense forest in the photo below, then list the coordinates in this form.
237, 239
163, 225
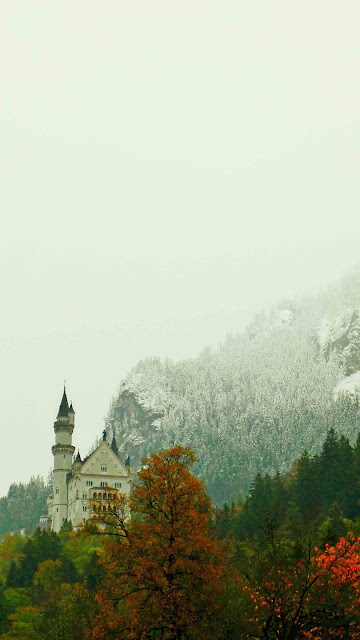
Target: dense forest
254, 404
23, 505
251, 406
318, 499
283, 564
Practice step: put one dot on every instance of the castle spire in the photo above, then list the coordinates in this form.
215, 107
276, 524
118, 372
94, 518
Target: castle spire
64, 406
114, 446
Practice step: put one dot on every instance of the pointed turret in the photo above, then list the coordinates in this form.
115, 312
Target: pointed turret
114, 446
71, 414
77, 464
63, 452
64, 407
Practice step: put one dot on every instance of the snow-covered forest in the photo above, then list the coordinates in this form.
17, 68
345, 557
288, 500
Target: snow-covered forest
259, 400
253, 405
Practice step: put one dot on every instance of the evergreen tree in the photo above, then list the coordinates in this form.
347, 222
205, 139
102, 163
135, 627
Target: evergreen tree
305, 489
94, 573
264, 511
42, 546
334, 527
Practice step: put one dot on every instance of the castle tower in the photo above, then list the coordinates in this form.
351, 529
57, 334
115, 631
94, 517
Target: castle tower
63, 452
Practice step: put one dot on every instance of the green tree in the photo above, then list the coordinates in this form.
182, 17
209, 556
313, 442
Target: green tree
41, 546
265, 509
334, 527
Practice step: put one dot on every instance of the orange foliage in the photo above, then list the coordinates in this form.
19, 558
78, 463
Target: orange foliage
163, 570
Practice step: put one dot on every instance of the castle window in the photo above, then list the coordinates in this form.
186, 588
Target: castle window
103, 468
57, 509
84, 507
117, 485
57, 490
84, 519
64, 455
84, 496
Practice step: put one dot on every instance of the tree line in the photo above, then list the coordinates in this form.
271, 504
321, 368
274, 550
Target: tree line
316, 490
23, 505
164, 564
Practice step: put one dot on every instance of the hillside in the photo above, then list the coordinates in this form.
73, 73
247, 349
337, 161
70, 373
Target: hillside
258, 401
22, 506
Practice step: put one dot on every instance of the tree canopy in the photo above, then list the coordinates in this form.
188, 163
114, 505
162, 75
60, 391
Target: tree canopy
163, 570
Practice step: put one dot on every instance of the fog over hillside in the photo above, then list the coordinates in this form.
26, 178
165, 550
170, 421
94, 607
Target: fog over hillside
259, 400
251, 404
168, 171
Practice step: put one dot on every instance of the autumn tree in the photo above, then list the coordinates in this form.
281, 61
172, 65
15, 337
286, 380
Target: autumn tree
316, 598
163, 570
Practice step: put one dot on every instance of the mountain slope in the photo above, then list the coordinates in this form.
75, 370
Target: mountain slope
258, 401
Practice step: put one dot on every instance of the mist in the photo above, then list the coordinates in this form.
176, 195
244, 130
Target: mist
167, 171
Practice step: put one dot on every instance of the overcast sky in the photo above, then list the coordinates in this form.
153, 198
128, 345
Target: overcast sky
167, 169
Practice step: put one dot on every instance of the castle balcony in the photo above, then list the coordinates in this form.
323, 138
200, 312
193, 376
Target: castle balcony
103, 493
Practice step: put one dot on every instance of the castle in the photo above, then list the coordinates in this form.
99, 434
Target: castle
77, 482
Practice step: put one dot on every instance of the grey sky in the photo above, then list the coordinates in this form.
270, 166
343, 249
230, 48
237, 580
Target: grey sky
167, 168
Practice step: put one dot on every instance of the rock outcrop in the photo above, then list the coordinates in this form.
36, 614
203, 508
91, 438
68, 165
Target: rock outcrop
342, 336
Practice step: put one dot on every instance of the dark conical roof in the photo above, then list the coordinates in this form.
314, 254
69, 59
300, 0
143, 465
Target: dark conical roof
64, 407
114, 446
127, 462
71, 409
78, 457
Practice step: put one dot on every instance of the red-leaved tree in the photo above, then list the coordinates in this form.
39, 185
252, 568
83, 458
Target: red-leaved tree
162, 568
317, 598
